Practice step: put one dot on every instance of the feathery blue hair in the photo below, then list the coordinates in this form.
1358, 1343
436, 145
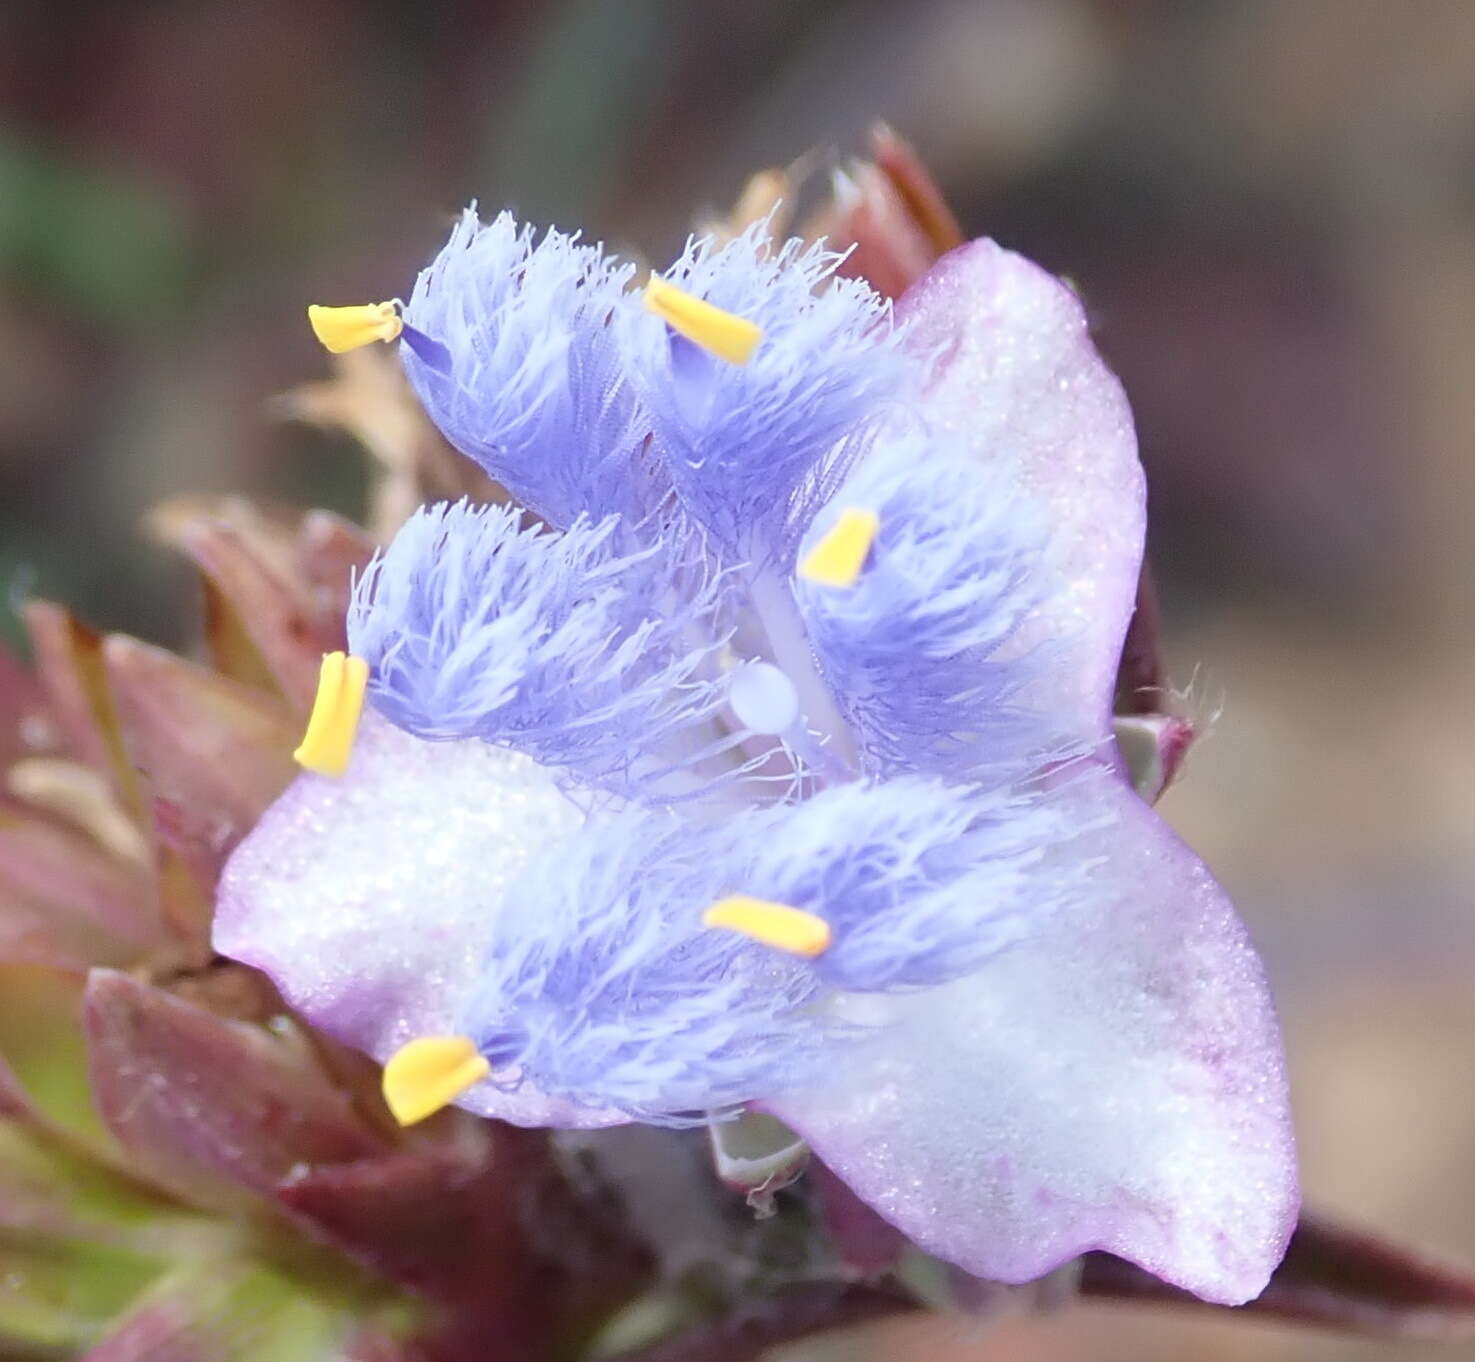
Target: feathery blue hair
920, 880
554, 642
752, 449
915, 650
524, 373
602, 986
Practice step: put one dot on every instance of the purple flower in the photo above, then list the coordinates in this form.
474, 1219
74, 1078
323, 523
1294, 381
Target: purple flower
777, 770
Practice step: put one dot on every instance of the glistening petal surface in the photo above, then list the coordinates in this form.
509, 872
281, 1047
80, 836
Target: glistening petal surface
368, 899
1017, 381
1115, 1082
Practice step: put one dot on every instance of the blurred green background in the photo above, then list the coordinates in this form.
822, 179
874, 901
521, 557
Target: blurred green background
1268, 205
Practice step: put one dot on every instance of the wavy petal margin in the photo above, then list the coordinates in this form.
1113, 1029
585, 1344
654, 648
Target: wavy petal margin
1016, 379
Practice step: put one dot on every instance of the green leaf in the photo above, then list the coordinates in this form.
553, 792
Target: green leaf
57, 1191
60, 1294
41, 1042
234, 1311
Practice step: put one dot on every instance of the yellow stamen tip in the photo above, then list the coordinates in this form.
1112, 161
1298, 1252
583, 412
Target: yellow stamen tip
430, 1073
838, 557
773, 924
341, 329
726, 336
328, 742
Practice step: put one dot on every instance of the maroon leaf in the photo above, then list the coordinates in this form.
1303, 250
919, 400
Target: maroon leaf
280, 620
374, 1345
891, 216
1142, 675
887, 249
865, 1242
69, 663
228, 643
49, 864
446, 1223
188, 866
915, 186
486, 1224
1345, 1279
249, 560
208, 745
209, 1108
34, 933
14, 1103
26, 727
331, 550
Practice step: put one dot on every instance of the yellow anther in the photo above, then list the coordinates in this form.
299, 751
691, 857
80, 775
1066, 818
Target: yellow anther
838, 558
326, 745
726, 336
773, 924
428, 1074
341, 329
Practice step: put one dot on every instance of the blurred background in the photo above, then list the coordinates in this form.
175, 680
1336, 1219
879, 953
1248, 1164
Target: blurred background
1269, 208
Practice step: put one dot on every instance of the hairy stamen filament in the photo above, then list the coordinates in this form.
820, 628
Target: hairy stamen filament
773, 603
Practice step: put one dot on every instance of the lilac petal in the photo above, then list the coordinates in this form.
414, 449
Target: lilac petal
369, 899
1114, 1083
1017, 380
